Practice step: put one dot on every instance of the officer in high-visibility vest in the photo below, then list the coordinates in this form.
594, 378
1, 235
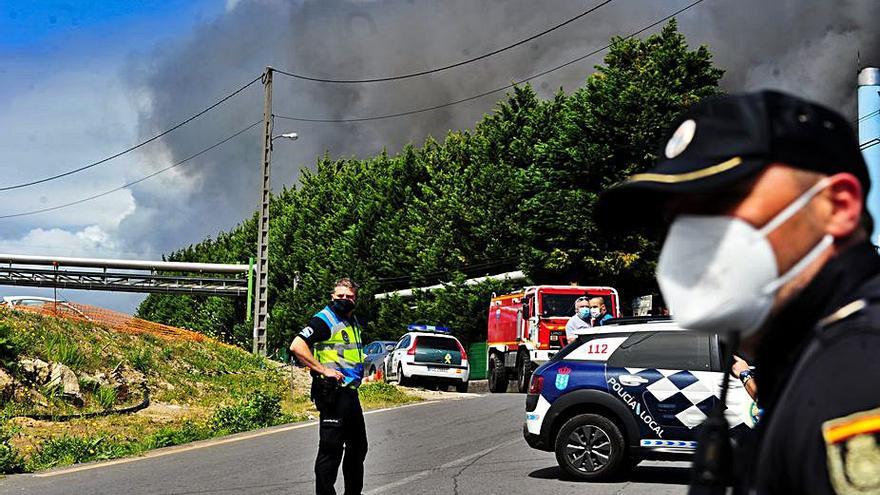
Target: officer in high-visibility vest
337, 369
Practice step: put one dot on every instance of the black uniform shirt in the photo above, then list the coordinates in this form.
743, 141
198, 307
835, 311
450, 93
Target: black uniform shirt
840, 376
316, 331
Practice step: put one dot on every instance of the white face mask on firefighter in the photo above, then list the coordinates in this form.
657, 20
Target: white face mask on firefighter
719, 274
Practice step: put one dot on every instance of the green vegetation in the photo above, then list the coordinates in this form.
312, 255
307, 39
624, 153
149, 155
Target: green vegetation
9, 348
60, 348
515, 192
69, 450
105, 397
261, 409
10, 460
199, 390
142, 359
380, 394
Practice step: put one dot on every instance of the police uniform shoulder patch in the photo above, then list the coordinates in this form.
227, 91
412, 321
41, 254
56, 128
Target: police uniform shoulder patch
306, 332
852, 444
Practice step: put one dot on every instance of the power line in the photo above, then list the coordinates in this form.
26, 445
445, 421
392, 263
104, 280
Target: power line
125, 186
450, 66
132, 148
497, 90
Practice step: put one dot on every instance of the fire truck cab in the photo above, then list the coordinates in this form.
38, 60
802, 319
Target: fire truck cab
527, 328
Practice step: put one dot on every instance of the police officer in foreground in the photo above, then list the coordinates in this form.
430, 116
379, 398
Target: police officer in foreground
767, 235
337, 369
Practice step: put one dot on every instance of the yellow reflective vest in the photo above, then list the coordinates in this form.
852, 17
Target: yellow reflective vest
344, 350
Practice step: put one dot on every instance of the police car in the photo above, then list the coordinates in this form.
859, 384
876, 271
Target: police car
429, 353
638, 390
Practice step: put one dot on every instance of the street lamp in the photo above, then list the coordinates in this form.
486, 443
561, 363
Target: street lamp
287, 135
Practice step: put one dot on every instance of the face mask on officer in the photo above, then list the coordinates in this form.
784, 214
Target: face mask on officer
584, 312
595, 312
719, 273
342, 306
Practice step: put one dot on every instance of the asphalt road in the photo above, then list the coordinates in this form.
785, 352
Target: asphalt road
467, 446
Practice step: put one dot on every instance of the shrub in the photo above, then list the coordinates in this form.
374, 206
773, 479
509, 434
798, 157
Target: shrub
187, 432
72, 450
383, 392
62, 349
141, 359
9, 348
261, 409
105, 397
10, 460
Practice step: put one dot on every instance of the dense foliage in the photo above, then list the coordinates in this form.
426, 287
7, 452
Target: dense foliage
516, 192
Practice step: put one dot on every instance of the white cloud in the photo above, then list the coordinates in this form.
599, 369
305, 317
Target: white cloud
90, 241
59, 123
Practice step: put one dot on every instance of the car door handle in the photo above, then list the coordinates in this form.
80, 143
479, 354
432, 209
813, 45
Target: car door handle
632, 380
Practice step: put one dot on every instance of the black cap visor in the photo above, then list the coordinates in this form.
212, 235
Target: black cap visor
639, 200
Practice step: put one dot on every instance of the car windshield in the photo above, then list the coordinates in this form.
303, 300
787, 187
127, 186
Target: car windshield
558, 304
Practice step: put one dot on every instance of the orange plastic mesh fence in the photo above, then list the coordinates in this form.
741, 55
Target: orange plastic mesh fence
114, 320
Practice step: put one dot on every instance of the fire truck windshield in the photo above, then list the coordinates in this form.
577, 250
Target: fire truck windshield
558, 305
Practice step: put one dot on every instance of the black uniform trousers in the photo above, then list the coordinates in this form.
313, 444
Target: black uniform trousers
342, 431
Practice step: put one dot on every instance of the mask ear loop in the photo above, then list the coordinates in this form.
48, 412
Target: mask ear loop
784, 215
795, 206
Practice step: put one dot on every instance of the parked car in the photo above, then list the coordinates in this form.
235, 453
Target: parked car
429, 354
638, 390
374, 355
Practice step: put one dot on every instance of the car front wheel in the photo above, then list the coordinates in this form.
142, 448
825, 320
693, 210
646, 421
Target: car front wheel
590, 447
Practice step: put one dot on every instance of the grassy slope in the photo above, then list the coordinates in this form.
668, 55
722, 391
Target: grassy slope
189, 382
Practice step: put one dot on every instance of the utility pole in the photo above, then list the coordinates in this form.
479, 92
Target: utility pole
261, 305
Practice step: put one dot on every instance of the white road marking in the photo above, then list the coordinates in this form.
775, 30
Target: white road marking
448, 465
207, 443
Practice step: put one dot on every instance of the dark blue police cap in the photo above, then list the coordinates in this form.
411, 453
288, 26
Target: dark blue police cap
722, 140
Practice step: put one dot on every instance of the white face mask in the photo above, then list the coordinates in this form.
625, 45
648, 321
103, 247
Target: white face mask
719, 274
595, 312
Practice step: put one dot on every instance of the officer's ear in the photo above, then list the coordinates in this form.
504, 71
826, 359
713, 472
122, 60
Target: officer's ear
844, 206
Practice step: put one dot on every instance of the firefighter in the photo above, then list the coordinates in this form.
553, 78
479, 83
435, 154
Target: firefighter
337, 369
763, 197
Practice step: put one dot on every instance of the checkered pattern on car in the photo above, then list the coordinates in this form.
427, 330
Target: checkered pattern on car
686, 396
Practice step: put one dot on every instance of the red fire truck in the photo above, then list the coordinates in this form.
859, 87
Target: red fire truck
527, 327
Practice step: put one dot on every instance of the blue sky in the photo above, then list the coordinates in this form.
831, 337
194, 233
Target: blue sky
35, 26
65, 100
